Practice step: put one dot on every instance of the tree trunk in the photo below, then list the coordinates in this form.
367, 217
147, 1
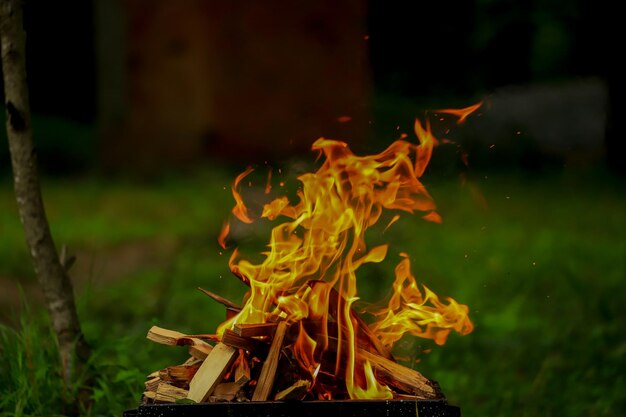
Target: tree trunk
51, 274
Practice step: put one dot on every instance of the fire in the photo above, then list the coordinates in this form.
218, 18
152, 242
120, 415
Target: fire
309, 274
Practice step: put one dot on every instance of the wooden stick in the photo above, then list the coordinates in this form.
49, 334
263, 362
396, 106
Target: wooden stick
179, 375
242, 371
396, 375
268, 372
220, 299
211, 372
231, 338
336, 302
173, 338
294, 392
256, 329
166, 393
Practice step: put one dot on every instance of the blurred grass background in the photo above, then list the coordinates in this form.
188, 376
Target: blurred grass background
541, 266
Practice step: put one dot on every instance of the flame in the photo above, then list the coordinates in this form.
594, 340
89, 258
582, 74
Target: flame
308, 275
463, 113
422, 315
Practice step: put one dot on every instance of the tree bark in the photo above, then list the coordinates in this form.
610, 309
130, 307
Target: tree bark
51, 274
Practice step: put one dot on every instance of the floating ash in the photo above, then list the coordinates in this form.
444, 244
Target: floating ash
296, 334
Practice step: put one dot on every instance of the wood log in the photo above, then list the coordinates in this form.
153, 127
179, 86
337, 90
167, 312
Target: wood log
268, 372
295, 392
401, 377
242, 370
257, 346
166, 393
152, 384
199, 348
256, 329
220, 299
337, 302
211, 372
225, 391
179, 375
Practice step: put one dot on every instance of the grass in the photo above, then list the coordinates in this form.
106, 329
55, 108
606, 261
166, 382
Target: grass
541, 265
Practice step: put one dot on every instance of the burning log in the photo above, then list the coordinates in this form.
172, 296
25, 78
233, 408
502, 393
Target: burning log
268, 372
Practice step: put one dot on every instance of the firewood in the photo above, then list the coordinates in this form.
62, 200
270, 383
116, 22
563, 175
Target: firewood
256, 329
268, 372
336, 302
179, 375
166, 393
174, 338
225, 391
231, 312
220, 299
231, 338
211, 372
152, 384
242, 371
153, 374
295, 392
401, 377
200, 351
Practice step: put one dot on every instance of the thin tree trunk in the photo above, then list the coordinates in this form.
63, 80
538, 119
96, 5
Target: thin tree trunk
51, 274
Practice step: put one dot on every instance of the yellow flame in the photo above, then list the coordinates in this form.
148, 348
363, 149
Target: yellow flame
321, 238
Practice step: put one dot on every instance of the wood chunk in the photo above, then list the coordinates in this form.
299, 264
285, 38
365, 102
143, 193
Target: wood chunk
401, 377
231, 312
256, 329
164, 336
295, 392
152, 384
225, 392
231, 338
242, 371
179, 375
153, 374
211, 372
336, 303
199, 348
200, 351
166, 393
221, 299
268, 372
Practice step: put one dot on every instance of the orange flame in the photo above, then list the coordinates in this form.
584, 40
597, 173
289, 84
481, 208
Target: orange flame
463, 113
321, 240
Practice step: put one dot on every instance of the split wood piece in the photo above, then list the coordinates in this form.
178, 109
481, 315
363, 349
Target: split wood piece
166, 393
153, 374
336, 302
179, 375
295, 392
225, 392
199, 348
242, 370
152, 384
221, 299
256, 329
231, 338
268, 372
211, 372
401, 377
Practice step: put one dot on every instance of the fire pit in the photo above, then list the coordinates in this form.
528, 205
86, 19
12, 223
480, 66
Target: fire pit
297, 338
348, 408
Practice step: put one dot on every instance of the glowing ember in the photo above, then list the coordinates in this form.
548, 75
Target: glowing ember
309, 274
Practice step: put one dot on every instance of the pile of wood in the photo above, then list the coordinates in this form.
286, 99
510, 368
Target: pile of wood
255, 362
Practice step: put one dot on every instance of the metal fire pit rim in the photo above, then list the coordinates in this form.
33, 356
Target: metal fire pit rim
346, 408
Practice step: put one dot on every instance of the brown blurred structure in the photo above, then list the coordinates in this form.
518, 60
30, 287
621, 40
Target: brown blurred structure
182, 81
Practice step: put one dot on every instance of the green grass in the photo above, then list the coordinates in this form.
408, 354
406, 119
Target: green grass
542, 267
